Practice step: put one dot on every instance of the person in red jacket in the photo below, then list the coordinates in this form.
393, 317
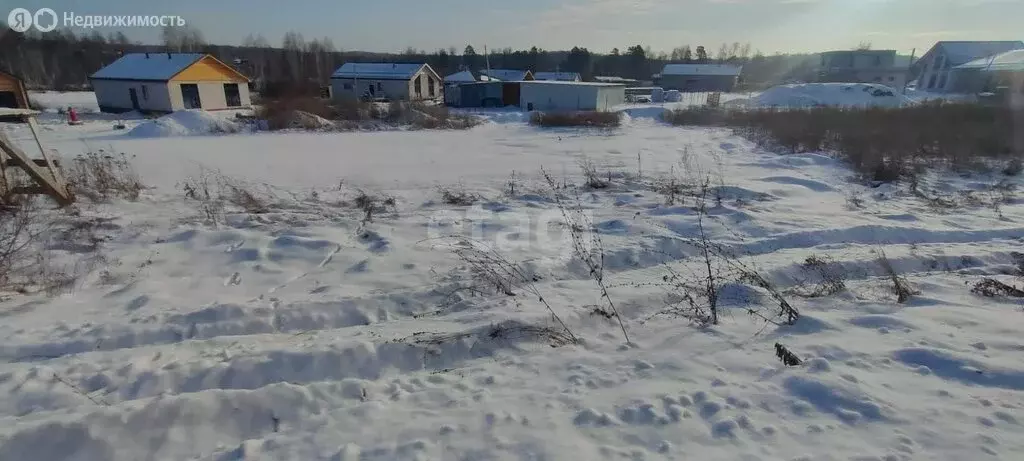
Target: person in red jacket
72, 116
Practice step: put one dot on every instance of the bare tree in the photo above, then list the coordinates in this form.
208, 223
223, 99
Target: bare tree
185, 38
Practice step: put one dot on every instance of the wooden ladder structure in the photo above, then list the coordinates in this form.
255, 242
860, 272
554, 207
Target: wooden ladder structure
44, 173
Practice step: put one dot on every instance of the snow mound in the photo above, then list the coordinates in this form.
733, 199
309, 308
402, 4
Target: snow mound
184, 123
826, 94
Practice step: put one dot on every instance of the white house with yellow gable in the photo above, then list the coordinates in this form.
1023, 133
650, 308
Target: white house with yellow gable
166, 82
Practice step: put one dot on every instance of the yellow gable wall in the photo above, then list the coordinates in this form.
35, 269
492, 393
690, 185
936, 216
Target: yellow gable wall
207, 70
9, 83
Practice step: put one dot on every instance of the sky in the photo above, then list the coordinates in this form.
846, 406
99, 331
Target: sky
599, 25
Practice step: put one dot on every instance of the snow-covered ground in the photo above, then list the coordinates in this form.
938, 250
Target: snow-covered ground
303, 333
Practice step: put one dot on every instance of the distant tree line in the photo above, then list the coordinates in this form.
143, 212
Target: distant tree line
64, 60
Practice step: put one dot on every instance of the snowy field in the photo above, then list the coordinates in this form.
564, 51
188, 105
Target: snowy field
303, 333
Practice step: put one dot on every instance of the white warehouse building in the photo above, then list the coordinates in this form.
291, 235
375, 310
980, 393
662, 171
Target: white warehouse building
570, 96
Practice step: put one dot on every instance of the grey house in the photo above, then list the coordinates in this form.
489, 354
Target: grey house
692, 78
934, 69
390, 81
862, 66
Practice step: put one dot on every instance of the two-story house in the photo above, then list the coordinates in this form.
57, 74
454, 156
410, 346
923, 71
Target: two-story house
934, 71
862, 66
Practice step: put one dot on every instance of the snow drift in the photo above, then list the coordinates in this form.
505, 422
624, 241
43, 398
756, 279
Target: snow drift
826, 94
184, 123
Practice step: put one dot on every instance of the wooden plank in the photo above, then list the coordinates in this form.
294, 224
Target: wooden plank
3, 176
54, 171
59, 192
38, 161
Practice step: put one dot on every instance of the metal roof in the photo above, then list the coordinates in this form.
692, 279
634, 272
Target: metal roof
701, 69
507, 75
1010, 60
962, 52
377, 70
465, 77
614, 79
148, 66
562, 82
562, 76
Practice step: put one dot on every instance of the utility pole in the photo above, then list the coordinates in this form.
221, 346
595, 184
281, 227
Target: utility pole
487, 61
988, 73
906, 81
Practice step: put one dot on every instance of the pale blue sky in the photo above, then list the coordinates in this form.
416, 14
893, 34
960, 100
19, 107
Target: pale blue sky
600, 25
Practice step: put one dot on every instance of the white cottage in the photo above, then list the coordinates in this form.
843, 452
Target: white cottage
166, 82
570, 96
391, 81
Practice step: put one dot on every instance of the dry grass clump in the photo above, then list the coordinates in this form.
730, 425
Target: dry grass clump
580, 118
101, 176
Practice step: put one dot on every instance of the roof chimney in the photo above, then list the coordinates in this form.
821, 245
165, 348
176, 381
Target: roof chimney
147, 55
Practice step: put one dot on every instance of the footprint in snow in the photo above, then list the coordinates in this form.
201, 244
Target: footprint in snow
235, 279
234, 246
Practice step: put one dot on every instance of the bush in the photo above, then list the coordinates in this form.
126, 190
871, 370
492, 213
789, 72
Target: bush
101, 176
882, 143
313, 113
1014, 167
457, 195
592, 179
565, 119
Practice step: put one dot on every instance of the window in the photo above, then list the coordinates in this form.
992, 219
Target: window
892, 79
430, 87
145, 93
231, 95
416, 84
942, 81
878, 79
380, 86
878, 61
931, 81
347, 86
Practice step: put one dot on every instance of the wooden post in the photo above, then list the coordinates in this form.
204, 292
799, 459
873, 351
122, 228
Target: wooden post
57, 176
3, 177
